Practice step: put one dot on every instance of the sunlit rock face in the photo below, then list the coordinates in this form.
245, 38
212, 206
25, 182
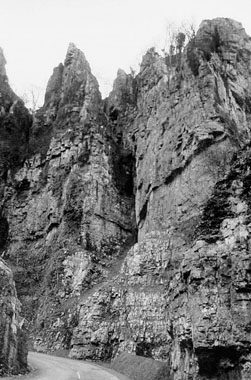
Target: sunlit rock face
187, 121
70, 207
127, 225
182, 294
13, 347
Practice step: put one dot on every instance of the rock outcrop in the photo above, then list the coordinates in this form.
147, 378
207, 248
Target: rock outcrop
13, 347
127, 225
182, 294
70, 207
15, 122
14, 133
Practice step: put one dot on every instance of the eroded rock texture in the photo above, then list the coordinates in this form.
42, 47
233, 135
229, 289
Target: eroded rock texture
182, 293
70, 207
13, 348
164, 157
14, 132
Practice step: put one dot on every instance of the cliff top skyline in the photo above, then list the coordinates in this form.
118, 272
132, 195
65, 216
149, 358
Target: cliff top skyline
125, 223
113, 34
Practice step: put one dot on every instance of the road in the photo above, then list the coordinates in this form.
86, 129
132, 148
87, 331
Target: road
46, 367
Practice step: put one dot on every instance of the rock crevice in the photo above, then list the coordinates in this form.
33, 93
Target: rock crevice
126, 220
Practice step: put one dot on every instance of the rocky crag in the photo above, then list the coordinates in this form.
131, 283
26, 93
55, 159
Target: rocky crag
13, 344
126, 221
70, 206
14, 128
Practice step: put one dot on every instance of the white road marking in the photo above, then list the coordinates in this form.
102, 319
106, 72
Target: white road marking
78, 375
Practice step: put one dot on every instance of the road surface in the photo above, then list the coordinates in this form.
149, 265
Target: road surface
46, 367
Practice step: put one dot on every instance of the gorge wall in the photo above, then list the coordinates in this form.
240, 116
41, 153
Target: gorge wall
14, 126
126, 221
13, 344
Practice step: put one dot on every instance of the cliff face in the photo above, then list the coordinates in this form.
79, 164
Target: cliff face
13, 348
70, 207
164, 160
182, 294
14, 132
15, 122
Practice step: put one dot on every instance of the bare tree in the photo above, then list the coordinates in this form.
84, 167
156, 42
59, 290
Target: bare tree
189, 29
31, 99
176, 38
180, 42
34, 99
169, 44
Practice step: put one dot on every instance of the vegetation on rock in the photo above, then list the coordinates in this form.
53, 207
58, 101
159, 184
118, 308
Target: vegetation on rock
126, 221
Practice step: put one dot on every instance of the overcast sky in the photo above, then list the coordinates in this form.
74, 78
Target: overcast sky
112, 33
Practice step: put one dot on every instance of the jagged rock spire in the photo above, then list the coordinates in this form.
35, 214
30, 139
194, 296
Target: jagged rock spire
72, 85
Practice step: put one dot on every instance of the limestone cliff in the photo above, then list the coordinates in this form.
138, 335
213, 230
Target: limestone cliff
14, 132
164, 160
15, 123
182, 294
70, 207
13, 348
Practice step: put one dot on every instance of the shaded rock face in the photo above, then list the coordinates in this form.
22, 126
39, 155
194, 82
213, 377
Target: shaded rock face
15, 122
164, 157
13, 348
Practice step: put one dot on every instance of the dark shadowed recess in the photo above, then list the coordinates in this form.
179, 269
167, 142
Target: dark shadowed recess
218, 206
4, 230
221, 363
123, 164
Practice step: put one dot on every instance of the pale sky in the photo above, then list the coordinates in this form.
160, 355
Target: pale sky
35, 34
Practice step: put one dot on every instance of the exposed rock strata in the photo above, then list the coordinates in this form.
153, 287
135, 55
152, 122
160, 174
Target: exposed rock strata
15, 122
166, 154
70, 214
180, 295
13, 348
